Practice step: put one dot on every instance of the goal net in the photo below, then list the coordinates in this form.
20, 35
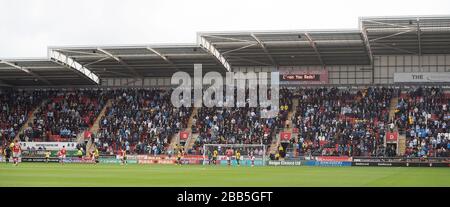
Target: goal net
246, 151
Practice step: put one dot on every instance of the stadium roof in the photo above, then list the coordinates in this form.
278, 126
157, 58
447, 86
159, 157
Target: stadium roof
288, 48
220, 51
42, 71
407, 35
139, 61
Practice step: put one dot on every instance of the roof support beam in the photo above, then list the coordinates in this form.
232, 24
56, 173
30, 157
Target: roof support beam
97, 61
162, 56
26, 71
36, 67
82, 53
121, 62
364, 30
389, 24
367, 44
237, 49
227, 38
418, 36
213, 51
264, 48
419, 42
314, 46
274, 42
387, 29
392, 35
70, 63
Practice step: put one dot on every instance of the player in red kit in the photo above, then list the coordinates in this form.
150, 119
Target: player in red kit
62, 155
252, 158
16, 152
229, 153
123, 157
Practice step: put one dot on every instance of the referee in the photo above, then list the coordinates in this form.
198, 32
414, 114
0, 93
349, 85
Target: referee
7, 153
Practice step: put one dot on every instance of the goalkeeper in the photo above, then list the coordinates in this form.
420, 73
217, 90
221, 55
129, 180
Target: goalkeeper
215, 154
209, 157
238, 157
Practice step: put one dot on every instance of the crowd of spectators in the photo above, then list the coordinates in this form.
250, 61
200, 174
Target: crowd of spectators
232, 126
15, 108
65, 114
239, 125
334, 121
423, 116
330, 121
140, 121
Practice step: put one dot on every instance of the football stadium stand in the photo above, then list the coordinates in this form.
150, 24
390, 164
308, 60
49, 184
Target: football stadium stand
382, 90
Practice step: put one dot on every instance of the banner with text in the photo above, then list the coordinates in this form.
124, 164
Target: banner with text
294, 76
48, 145
422, 77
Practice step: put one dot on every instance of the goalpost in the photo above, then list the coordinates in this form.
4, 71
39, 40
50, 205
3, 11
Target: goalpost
245, 150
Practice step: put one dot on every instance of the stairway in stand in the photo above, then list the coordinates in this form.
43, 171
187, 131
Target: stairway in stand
401, 143
192, 136
30, 119
392, 107
274, 145
95, 127
191, 141
175, 139
287, 128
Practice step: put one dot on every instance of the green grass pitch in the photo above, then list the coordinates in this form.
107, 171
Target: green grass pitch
41, 174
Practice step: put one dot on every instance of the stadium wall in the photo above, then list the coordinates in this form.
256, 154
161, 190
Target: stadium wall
131, 82
337, 74
386, 66
382, 72
383, 69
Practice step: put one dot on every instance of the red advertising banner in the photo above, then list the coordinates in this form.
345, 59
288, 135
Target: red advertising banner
334, 158
285, 136
187, 159
184, 135
391, 136
296, 75
155, 161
